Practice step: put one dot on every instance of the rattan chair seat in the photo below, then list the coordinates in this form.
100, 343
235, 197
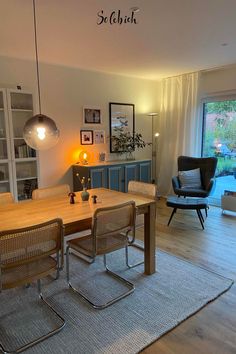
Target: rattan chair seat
104, 244
26, 255
27, 273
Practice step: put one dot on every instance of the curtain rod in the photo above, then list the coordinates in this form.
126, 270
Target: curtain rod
203, 70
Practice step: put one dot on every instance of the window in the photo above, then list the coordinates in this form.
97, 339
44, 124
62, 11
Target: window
219, 139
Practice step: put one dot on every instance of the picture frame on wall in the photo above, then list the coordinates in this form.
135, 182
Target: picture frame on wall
92, 115
122, 119
86, 137
99, 136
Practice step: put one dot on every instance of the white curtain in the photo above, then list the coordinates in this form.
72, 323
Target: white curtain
179, 126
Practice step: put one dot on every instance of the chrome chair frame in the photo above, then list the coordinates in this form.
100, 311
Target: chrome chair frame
113, 274
130, 286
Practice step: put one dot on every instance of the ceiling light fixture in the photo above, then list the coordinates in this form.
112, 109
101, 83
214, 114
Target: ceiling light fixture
40, 132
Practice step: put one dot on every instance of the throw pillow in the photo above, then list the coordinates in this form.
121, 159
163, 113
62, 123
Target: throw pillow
190, 179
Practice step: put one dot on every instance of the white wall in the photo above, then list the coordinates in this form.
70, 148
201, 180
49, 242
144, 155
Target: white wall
218, 81
64, 92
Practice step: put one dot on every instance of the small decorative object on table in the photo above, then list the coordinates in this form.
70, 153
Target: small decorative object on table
72, 196
94, 198
84, 193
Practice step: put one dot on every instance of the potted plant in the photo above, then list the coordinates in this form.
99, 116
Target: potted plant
126, 143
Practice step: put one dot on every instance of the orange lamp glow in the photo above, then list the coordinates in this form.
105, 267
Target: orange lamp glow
84, 157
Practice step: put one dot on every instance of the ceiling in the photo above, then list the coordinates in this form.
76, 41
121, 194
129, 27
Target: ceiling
171, 36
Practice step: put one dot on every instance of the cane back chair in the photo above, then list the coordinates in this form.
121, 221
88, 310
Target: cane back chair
42, 193
147, 190
110, 229
26, 256
6, 198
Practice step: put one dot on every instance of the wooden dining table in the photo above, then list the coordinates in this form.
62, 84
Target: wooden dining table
77, 217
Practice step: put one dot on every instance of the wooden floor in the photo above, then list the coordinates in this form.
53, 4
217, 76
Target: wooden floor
213, 329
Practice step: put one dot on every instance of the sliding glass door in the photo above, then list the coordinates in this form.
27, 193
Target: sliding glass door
219, 139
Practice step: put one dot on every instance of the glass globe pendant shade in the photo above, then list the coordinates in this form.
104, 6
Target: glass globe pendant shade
40, 132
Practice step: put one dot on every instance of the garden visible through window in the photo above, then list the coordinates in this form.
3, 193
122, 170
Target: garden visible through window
219, 139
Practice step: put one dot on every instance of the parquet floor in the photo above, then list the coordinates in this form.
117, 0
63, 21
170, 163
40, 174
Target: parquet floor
213, 329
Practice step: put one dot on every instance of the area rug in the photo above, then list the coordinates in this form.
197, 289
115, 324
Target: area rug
159, 303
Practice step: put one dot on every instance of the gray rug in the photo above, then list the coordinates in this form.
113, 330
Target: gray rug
159, 303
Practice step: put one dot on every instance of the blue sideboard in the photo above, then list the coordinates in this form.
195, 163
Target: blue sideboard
114, 174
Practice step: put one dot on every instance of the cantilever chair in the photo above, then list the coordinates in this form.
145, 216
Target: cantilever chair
42, 193
110, 229
6, 198
60, 190
207, 167
26, 256
147, 190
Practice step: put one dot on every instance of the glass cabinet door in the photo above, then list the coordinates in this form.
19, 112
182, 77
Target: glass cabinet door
18, 161
21, 111
3, 134
4, 178
24, 157
5, 185
26, 179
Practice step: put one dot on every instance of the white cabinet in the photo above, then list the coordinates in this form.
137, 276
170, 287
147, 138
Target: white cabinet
18, 162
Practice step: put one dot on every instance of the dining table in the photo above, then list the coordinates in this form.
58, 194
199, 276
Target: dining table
78, 216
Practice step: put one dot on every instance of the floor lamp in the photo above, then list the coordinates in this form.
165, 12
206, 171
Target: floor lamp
154, 147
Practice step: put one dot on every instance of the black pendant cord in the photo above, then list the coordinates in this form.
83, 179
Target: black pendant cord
36, 55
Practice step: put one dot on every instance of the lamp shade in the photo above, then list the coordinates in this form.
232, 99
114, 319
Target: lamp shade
152, 114
40, 132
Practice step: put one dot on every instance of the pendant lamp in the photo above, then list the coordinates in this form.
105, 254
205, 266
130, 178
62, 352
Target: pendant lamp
40, 132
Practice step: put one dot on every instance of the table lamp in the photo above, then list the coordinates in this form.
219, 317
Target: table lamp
84, 157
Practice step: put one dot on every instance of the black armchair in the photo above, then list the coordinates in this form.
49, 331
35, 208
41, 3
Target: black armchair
207, 167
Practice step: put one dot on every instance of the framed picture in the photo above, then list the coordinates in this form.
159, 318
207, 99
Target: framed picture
121, 120
92, 115
99, 136
86, 137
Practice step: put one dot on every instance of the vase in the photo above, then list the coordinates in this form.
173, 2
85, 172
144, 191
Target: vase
129, 155
84, 195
